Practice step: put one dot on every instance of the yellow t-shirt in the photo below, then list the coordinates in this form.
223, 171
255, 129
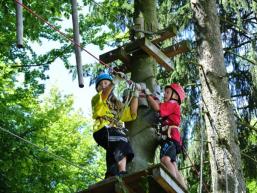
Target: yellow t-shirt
101, 109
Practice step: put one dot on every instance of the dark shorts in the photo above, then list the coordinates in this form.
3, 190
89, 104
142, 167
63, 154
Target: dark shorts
117, 146
170, 148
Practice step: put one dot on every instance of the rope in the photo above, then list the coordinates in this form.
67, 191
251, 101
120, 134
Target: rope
59, 31
234, 172
215, 129
69, 39
249, 157
44, 150
202, 154
194, 168
213, 135
226, 168
101, 62
213, 147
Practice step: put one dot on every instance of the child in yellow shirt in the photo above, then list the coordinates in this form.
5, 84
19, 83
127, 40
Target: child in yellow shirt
109, 114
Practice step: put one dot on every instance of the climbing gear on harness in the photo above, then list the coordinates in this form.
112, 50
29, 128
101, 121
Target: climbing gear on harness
158, 125
115, 106
157, 93
167, 129
148, 92
103, 76
162, 131
113, 121
130, 92
141, 96
179, 90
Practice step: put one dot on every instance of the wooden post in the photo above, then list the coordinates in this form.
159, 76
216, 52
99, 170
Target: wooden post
77, 42
139, 26
159, 56
19, 24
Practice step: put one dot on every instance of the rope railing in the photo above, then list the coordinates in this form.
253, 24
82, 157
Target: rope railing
44, 150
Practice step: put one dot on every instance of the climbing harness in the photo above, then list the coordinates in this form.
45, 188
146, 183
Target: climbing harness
115, 106
160, 130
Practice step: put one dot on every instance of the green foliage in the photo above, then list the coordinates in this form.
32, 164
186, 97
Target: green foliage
34, 31
107, 22
56, 130
53, 125
176, 13
239, 39
251, 186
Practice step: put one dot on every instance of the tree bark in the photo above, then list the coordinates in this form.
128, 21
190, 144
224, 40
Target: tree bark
141, 132
225, 158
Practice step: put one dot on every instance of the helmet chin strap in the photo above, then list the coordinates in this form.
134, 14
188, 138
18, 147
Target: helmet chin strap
176, 99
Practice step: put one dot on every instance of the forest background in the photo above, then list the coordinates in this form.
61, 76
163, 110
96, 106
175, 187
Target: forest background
46, 144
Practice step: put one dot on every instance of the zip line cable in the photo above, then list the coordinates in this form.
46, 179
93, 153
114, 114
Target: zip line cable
44, 150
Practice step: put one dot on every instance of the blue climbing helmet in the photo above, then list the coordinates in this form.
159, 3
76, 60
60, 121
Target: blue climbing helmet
103, 76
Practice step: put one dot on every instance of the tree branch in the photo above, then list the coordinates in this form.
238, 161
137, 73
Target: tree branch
245, 123
246, 33
239, 45
23, 66
244, 58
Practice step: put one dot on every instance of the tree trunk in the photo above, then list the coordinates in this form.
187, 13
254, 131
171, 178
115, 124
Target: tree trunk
141, 133
225, 159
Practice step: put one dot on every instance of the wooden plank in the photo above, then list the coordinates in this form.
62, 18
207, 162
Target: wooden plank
118, 53
134, 181
133, 46
166, 181
120, 187
123, 53
107, 185
155, 187
153, 179
166, 33
160, 57
110, 185
178, 48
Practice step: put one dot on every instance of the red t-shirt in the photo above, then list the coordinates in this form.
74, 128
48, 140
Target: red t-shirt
170, 113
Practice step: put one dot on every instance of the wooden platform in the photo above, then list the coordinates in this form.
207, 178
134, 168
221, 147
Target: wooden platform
155, 179
162, 56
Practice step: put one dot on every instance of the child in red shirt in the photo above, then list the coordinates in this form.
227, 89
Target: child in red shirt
169, 112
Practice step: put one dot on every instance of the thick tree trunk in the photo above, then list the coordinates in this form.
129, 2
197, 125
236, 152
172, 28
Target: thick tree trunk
141, 133
226, 168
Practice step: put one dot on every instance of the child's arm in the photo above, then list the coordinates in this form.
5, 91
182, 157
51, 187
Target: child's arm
130, 112
134, 106
153, 103
134, 103
168, 132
